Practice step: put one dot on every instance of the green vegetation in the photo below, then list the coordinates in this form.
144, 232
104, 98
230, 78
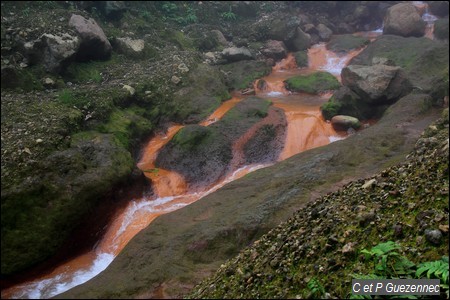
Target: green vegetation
301, 58
314, 83
389, 263
183, 15
330, 109
228, 15
346, 42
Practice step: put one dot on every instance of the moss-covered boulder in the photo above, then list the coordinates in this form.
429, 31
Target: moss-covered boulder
41, 214
346, 42
424, 61
203, 154
346, 102
441, 29
314, 83
242, 74
376, 84
203, 90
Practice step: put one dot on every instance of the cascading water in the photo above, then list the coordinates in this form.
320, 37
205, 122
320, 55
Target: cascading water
306, 129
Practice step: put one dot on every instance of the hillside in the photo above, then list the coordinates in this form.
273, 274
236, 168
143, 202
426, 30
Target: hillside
321, 244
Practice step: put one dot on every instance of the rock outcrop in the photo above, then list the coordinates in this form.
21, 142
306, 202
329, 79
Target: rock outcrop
403, 19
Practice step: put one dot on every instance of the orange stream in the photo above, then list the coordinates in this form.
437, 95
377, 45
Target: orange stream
306, 129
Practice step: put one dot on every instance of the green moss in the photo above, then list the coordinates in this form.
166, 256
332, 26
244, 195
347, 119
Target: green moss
346, 42
126, 125
314, 83
301, 58
192, 136
330, 109
179, 39
243, 73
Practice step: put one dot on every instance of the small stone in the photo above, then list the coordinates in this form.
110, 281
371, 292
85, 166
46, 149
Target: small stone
23, 65
38, 141
443, 228
369, 184
348, 248
27, 150
433, 236
398, 230
130, 89
175, 79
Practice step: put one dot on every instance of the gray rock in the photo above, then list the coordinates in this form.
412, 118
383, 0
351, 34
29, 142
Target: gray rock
376, 84
324, 32
94, 44
403, 19
274, 49
341, 122
433, 236
236, 54
130, 47
299, 41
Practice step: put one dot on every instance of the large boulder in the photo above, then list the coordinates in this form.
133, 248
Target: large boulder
240, 75
94, 44
251, 132
203, 90
376, 84
299, 41
346, 102
403, 19
424, 61
233, 54
274, 49
55, 52
324, 32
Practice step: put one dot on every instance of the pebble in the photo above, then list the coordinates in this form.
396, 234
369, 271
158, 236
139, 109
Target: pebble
433, 236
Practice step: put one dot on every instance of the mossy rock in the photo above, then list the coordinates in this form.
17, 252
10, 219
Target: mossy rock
441, 29
346, 102
346, 42
330, 109
301, 58
425, 61
242, 74
40, 216
313, 83
203, 91
203, 154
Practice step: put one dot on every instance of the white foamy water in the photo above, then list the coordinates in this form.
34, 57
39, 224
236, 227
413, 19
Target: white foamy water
335, 138
334, 64
50, 287
274, 94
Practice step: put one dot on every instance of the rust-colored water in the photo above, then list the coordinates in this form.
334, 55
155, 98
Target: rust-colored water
306, 129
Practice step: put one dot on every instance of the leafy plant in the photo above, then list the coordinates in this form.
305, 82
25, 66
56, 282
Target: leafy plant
317, 290
390, 264
170, 9
388, 261
228, 15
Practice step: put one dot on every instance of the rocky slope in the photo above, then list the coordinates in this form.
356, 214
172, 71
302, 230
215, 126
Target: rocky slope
406, 203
